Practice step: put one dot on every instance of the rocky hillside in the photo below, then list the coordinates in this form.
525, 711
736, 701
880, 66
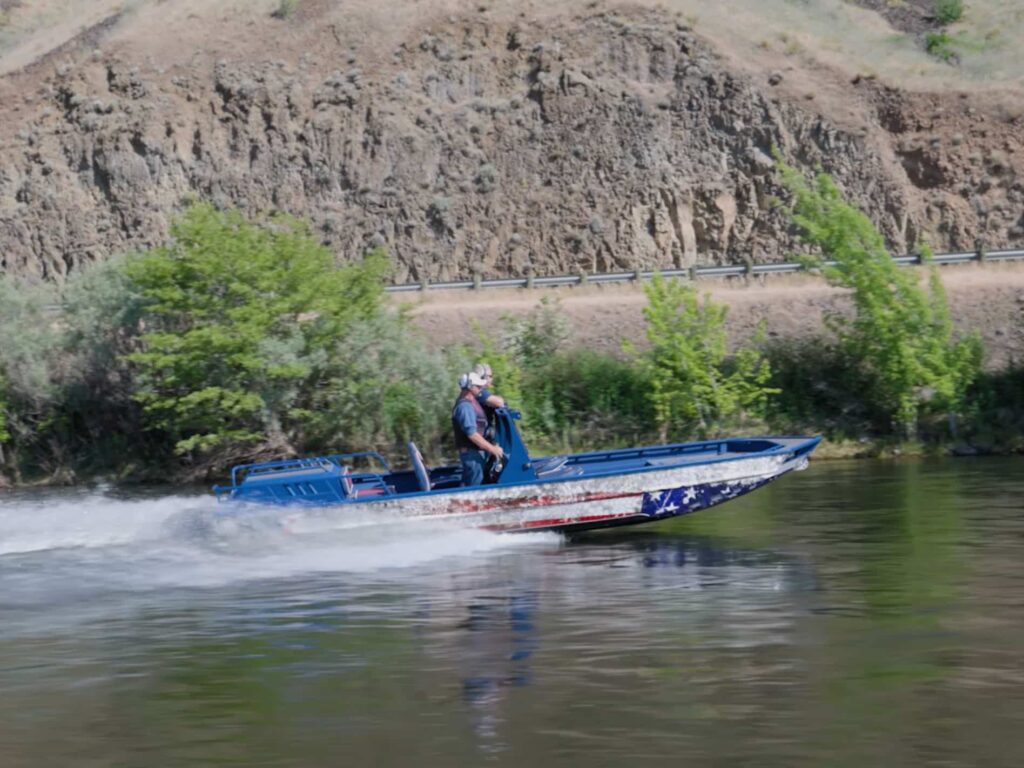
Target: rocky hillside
467, 140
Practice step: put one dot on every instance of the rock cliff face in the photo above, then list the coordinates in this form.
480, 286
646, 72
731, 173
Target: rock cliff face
614, 140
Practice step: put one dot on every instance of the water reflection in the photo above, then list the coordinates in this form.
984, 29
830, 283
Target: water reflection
577, 616
867, 614
496, 641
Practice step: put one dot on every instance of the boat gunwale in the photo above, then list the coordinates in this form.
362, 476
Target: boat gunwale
787, 444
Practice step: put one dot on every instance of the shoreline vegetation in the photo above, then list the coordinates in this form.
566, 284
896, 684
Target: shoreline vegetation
242, 340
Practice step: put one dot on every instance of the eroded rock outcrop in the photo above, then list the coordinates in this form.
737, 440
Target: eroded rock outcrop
617, 141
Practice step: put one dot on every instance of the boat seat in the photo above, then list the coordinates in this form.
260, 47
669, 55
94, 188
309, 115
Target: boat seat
375, 491
346, 481
560, 471
418, 467
454, 479
548, 465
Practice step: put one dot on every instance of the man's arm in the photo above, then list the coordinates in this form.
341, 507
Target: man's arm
486, 398
467, 423
480, 442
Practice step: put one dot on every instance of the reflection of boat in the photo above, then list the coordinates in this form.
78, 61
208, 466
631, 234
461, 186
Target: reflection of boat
574, 492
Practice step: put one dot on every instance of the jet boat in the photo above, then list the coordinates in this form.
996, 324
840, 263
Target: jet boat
600, 489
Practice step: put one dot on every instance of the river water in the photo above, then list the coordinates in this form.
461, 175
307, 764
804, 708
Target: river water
859, 613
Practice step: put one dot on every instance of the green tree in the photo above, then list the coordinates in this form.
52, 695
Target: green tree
506, 367
4, 434
101, 423
900, 334
532, 344
241, 321
694, 387
386, 386
29, 363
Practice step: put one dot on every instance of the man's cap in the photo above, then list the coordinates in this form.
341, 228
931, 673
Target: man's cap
471, 379
483, 370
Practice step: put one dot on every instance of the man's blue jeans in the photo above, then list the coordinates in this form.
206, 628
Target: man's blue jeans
473, 467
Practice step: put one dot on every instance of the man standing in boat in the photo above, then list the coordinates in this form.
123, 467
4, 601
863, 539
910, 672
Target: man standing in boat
487, 399
468, 424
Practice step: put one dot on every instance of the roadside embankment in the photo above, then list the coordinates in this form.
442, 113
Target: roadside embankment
986, 298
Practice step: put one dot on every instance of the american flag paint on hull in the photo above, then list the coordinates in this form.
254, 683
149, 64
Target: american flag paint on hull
563, 493
599, 502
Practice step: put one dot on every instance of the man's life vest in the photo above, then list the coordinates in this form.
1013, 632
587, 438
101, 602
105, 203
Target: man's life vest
462, 442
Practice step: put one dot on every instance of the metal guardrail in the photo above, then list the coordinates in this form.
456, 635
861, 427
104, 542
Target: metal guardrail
691, 274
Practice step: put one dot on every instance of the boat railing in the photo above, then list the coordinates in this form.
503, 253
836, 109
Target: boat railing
332, 463
719, 447
340, 458
281, 465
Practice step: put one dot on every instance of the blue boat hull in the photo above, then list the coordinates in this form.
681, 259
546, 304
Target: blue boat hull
565, 493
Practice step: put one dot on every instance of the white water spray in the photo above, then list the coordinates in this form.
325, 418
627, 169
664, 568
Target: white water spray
189, 541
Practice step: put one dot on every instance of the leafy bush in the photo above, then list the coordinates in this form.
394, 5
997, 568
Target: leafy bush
901, 335
694, 389
385, 387
4, 434
242, 323
821, 389
100, 326
940, 45
533, 343
948, 11
29, 358
500, 354
285, 9
569, 398
591, 399
995, 405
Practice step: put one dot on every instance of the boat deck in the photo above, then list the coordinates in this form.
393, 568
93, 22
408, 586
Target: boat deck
328, 480
679, 454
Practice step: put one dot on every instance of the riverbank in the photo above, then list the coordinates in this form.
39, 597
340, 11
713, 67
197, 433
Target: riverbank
83, 403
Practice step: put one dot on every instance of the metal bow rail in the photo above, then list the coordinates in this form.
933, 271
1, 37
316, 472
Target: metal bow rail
691, 273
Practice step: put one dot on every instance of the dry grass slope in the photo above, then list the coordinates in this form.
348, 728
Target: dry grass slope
756, 33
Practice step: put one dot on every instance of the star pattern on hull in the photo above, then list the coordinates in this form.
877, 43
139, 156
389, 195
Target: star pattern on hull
691, 498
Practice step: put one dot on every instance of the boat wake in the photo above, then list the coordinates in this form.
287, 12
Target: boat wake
72, 544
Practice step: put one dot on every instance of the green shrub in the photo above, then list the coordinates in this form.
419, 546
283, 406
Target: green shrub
592, 400
995, 411
948, 11
532, 343
501, 355
901, 335
100, 421
385, 386
570, 398
285, 9
4, 434
940, 45
693, 388
29, 366
821, 389
242, 324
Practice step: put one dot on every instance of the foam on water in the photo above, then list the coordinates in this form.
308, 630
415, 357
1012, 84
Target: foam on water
95, 543
90, 520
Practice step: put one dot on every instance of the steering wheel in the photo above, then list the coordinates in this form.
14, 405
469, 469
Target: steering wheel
493, 467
